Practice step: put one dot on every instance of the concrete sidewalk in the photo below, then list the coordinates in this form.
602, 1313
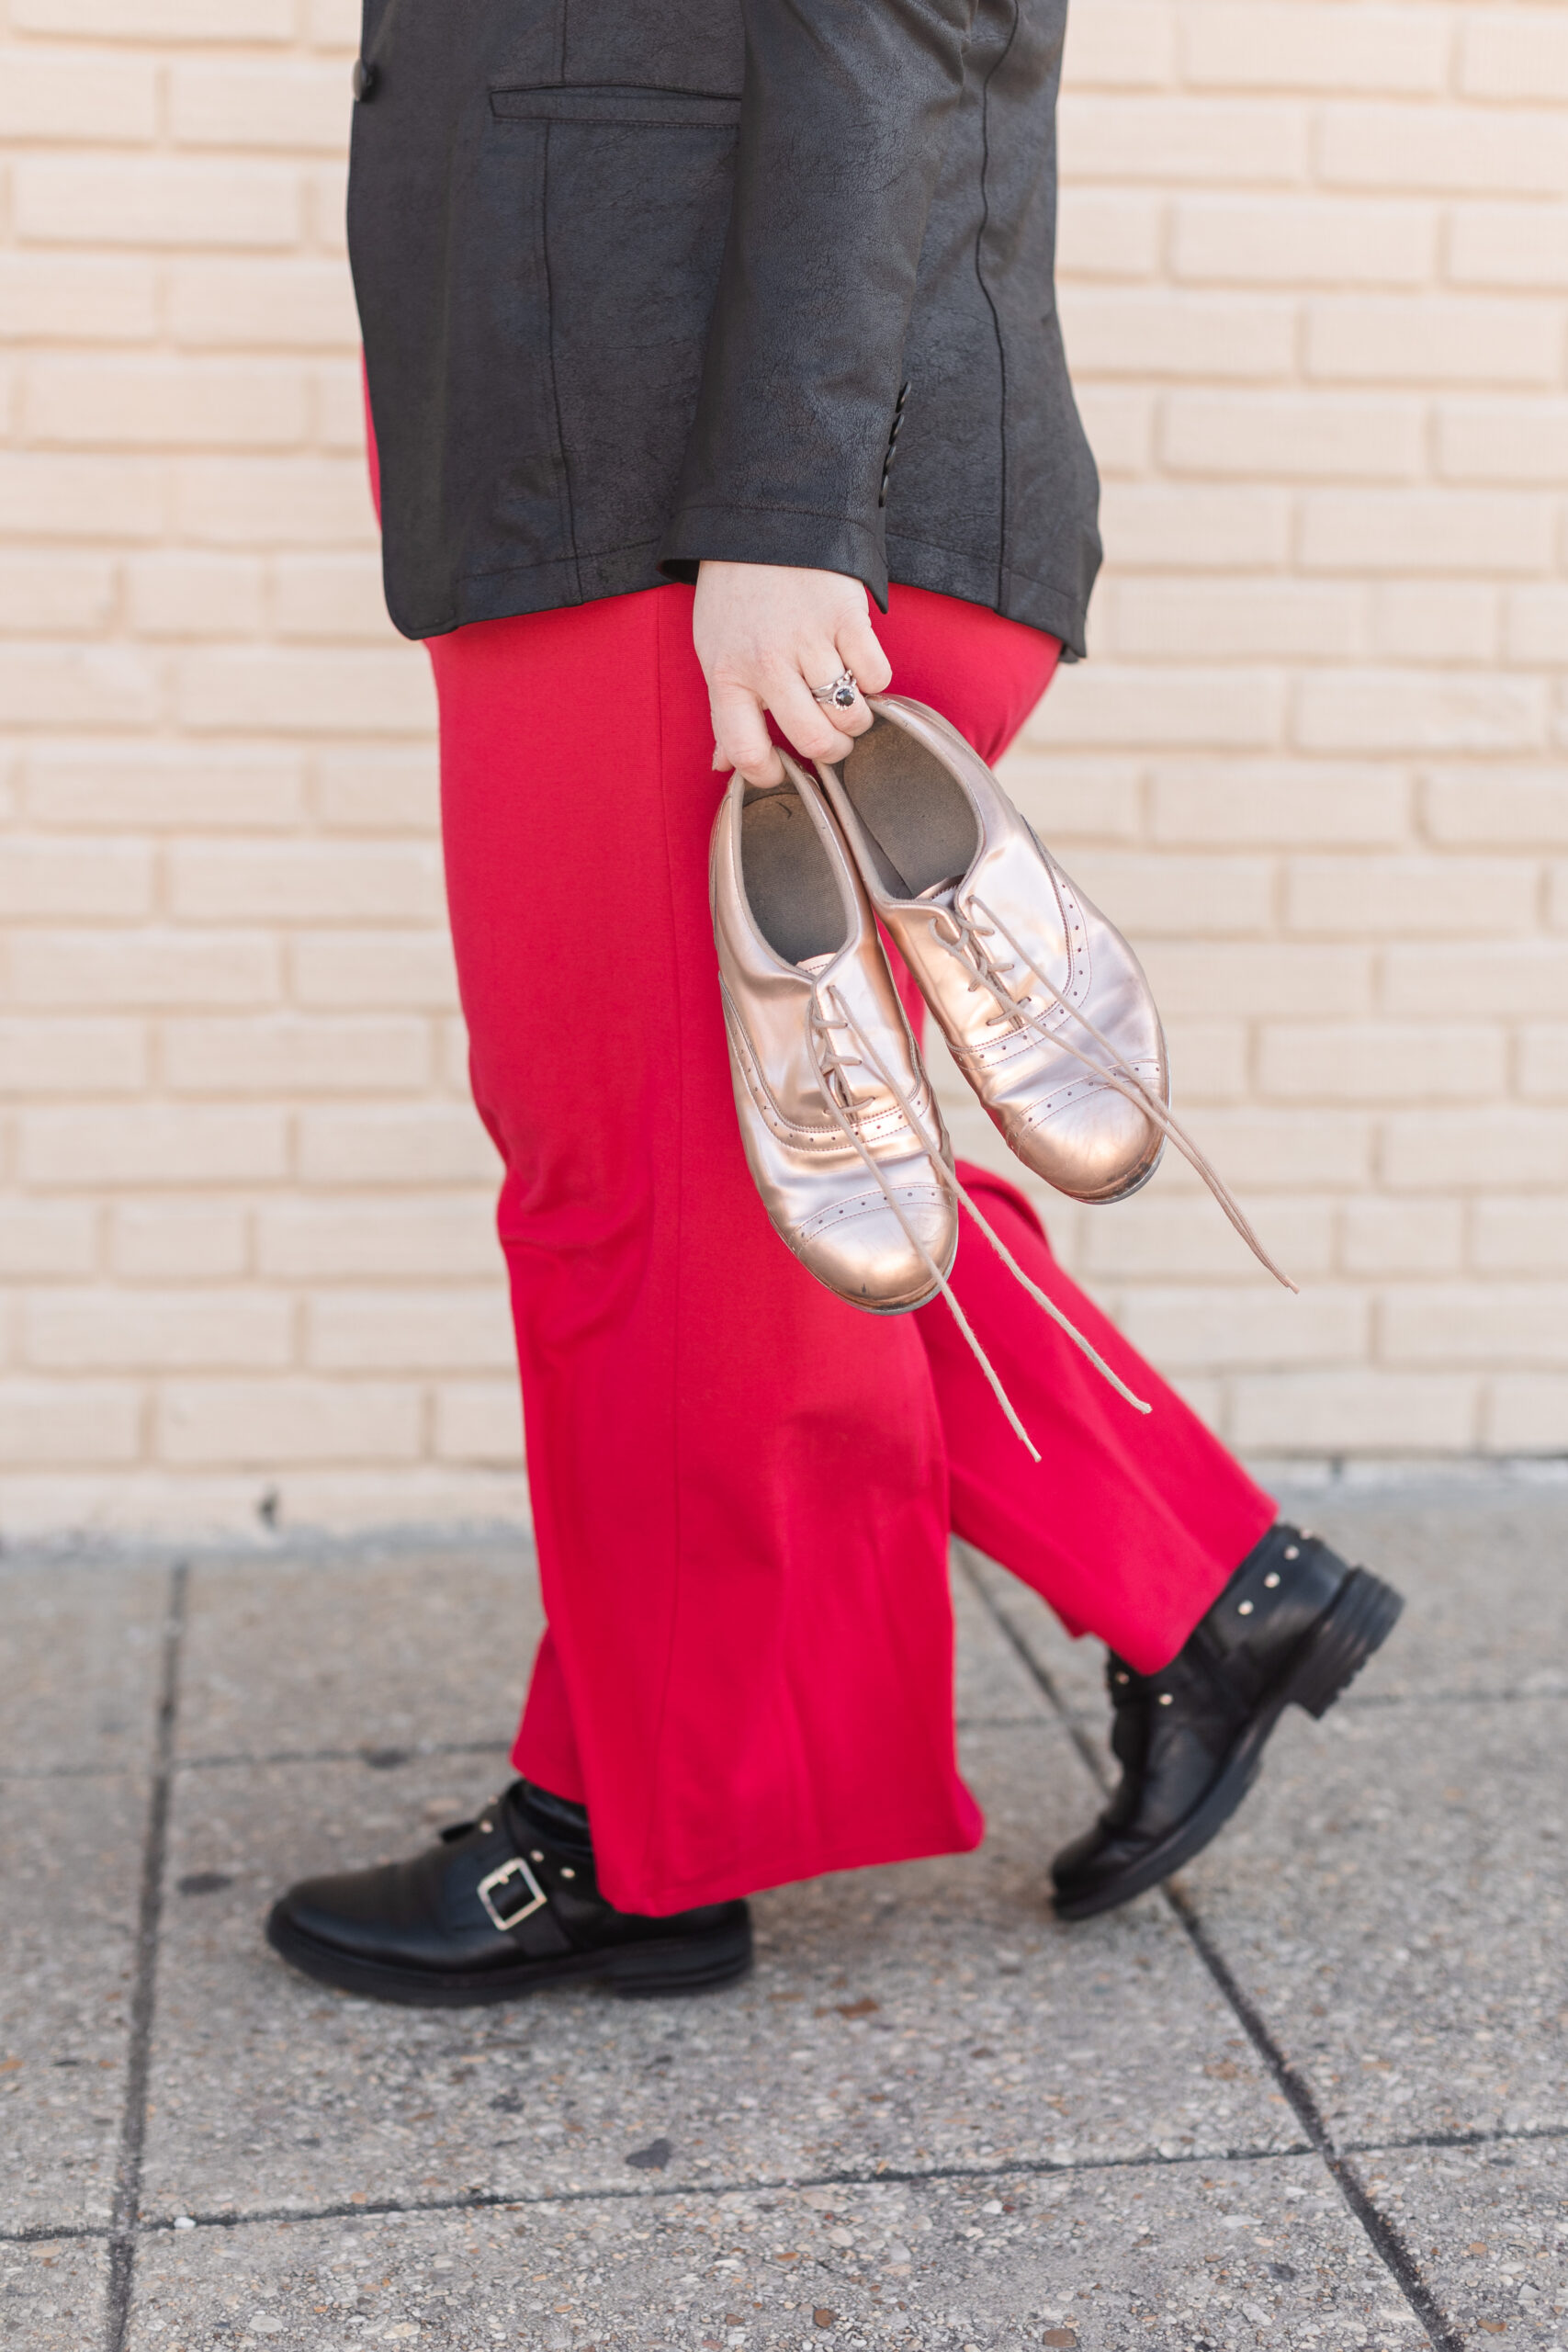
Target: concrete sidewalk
1316, 2095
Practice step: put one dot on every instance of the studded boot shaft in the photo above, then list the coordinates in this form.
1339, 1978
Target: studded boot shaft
1293, 1627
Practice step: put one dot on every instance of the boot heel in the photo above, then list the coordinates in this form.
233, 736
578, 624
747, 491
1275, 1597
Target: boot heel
1360, 1620
643, 1971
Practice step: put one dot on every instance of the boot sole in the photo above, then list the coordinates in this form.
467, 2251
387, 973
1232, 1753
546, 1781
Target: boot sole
684, 1964
1359, 1620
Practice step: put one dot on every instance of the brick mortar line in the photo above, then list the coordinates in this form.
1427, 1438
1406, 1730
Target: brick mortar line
125, 2218
1458, 1481
1383, 2234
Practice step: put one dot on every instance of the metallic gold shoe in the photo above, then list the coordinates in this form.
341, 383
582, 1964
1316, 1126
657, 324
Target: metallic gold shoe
840, 1127
948, 859
1042, 1002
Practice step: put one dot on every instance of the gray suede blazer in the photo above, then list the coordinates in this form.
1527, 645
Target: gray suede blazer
647, 281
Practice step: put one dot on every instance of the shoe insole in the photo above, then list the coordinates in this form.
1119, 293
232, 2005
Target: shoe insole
793, 892
918, 820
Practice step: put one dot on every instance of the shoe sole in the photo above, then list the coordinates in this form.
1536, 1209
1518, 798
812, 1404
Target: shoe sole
1360, 1619
637, 1972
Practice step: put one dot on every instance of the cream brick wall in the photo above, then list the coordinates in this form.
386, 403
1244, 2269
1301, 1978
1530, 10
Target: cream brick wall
1315, 256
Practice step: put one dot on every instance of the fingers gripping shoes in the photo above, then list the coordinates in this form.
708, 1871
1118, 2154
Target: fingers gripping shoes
841, 1131
1041, 1000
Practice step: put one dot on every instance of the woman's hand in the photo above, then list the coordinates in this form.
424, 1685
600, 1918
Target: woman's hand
767, 633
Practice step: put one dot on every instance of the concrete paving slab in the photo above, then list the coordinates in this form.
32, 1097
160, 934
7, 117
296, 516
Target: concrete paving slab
1490, 2227
929, 2015
1394, 1895
80, 1657
391, 1651
307, 1653
1173, 2255
70, 1861
1073, 1668
1087, 2128
1485, 1572
52, 2295
992, 1685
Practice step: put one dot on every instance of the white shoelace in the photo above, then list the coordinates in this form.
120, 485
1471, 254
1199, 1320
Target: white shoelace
832, 1064
967, 947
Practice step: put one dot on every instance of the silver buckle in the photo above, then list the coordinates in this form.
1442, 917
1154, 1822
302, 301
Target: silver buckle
516, 1868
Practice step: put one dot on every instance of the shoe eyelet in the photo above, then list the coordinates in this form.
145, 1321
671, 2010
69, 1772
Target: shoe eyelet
1292, 1551
566, 1873
1166, 1699
535, 1856
487, 1827
1272, 1578
1244, 1609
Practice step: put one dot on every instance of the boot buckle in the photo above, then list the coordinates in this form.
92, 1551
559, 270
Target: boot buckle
515, 1868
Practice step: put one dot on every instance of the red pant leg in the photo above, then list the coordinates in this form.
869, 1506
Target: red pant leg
738, 1499
739, 1483
1130, 1526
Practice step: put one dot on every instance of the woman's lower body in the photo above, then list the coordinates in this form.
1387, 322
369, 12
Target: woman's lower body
743, 1489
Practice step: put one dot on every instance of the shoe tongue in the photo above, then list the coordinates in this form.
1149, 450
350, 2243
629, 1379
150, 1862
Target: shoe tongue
941, 893
814, 963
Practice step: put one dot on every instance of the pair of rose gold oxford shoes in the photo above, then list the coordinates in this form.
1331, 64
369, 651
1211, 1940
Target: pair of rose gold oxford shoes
1043, 1003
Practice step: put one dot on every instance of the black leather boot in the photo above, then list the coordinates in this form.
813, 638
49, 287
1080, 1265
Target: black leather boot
499, 1906
1293, 1627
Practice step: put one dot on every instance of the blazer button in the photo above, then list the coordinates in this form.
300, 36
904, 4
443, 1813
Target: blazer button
365, 80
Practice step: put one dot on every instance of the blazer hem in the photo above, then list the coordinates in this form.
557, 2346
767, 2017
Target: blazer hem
774, 535
1049, 605
1044, 604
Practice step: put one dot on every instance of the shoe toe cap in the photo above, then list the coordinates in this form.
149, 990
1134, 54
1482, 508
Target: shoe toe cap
1082, 1862
1096, 1146
860, 1248
353, 1911
394, 1912
1097, 1871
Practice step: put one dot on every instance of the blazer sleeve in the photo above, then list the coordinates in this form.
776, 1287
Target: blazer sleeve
844, 119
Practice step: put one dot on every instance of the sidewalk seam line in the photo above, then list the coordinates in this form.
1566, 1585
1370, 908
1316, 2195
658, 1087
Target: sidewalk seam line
126, 2212
610, 2192
1383, 2236
374, 1759
1386, 2238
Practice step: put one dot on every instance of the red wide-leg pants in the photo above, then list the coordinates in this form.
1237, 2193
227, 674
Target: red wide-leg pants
743, 1487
